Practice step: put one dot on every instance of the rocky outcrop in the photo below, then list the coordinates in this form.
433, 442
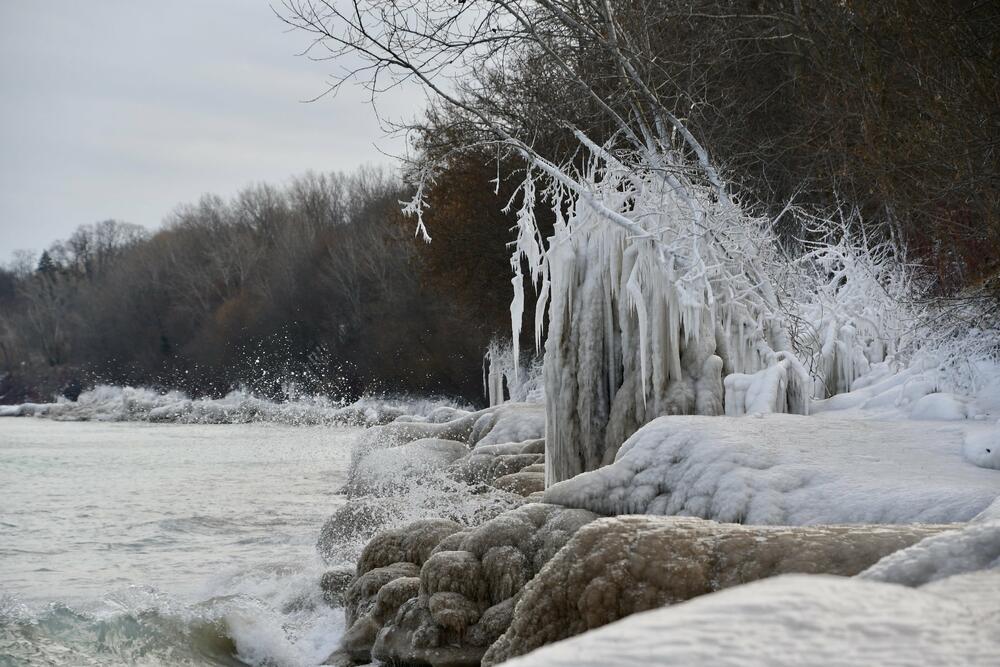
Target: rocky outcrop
801, 620
387, 575
416, 468
616, 567
433, 593
488, 463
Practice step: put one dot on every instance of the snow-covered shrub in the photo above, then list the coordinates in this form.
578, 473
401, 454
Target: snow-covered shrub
848, 304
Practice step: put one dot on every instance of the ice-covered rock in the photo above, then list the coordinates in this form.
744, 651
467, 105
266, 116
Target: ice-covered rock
412, 543
366, 606
973, 548
508, 422
469, 581
616, 567
490, 462
801, 621
787, 469
523, 483
982, 447
350, 527
334, 584
501, 425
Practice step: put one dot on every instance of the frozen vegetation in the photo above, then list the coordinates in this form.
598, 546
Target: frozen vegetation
774, 416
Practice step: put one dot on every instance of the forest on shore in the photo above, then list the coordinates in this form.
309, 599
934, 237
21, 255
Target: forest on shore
886, 112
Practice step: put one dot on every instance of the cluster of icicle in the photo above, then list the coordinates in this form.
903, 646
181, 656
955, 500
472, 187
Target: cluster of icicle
506, 378
654, 290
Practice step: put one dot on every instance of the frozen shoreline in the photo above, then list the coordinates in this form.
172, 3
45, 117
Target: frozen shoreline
433, 602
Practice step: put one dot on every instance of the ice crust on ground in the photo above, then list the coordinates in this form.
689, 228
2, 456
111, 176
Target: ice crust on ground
801, 621
113, 403
613, 568
788, 469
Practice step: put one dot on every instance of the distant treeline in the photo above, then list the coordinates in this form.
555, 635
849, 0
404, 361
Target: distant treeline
887, 109
319, 285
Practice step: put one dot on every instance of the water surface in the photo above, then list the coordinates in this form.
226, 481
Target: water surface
134, 543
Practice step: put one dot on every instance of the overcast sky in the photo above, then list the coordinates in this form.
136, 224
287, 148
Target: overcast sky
126, 108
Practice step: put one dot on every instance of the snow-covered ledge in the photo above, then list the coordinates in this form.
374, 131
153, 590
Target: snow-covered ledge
788, 469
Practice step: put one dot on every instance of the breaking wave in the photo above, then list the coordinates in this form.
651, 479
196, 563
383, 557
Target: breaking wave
125, 404
269, 616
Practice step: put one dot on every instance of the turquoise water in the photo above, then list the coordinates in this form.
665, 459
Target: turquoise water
132, 543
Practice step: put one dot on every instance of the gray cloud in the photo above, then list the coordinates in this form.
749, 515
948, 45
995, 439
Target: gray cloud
124, 109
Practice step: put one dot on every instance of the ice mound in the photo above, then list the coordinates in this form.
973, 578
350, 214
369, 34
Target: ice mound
788, 469
613, 568
801, 621
111, 403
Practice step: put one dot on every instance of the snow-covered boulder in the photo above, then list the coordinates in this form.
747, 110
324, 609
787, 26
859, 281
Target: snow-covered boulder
974, 548
485, 430
982, 447
616, 567
787, 469
802, 621
508, 422
487, 463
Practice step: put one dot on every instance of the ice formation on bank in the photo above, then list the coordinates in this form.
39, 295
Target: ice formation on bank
507, 378
658, 294
645, 316
788, 469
